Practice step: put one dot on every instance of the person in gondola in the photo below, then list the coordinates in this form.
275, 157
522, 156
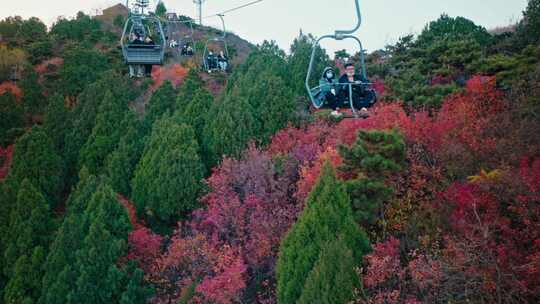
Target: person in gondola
223, 61
329, 91
362, 97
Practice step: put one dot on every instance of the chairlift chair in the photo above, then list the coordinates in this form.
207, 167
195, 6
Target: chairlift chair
314, 93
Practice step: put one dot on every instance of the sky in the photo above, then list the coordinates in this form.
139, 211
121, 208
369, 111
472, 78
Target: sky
383, 21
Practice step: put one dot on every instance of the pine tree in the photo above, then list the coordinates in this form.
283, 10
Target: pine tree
25, 284
371, 159
333, 279
196, 115
167, 180
30, 225
11, 119
192, 84
87, 247
135, 292
529, 28
59, 277
121, 163
56, 122
98, 277
109, 127
230, 127
83, 116
35, 159
33, 100
301, 50
163, 100
161, 10
8, 197
327, 216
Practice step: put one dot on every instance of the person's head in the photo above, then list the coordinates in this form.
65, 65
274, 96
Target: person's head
328, 73
221, 53
350, 69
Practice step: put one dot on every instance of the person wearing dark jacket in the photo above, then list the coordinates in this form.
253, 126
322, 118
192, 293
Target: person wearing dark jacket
328, 89
362, 97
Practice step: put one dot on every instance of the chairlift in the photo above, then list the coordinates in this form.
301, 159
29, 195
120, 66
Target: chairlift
350, 93
143, 41
214, 62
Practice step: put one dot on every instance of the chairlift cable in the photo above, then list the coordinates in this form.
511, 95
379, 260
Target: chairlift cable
234, 9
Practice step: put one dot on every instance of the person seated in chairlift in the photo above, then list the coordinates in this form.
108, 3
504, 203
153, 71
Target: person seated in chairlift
329, 91
211, 60
363, 98
223, 61
148, 41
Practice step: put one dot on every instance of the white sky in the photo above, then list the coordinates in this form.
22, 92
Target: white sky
384, 21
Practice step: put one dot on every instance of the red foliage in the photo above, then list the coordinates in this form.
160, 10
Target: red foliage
380, 87
144, 247
44, 66
174, 73
190, 260
310, 174
11, 87
389, 281
225, 286
6, 156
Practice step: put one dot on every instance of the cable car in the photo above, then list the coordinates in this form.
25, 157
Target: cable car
351, 90
217, 62
143, 41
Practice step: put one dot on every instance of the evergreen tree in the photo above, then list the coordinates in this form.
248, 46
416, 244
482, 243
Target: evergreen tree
109, 127
192, 84
372, 158
457, 28
82, 66
11, 119
529, 28
98, 277
135, 292
35, 159
196, 115
276, 105
163, 100
59, 276
121, 163
161, 10
167, 180
30, 224
327, 216
33, 100
56, 122
83, 116
298, 61
333, 279
25, 284
230, 127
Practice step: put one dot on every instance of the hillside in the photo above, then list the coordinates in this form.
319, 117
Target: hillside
196, 187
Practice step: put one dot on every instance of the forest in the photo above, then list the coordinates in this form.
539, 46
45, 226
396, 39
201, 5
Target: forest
186, 187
